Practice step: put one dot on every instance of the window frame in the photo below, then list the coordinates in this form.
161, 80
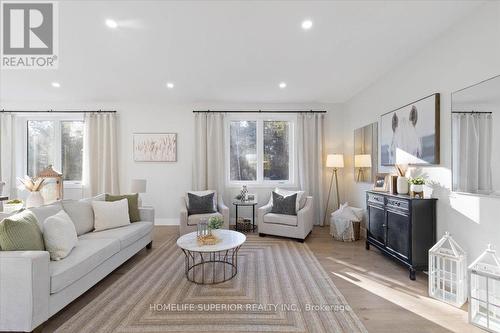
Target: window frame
58, 119
259, 119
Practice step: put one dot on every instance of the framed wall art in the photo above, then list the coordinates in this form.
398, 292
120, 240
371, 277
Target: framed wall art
155, 147
410, 134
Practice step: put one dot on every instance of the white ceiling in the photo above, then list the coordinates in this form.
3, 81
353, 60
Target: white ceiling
222, 51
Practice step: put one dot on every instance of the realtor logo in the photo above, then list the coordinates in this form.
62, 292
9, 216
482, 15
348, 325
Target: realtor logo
29, 35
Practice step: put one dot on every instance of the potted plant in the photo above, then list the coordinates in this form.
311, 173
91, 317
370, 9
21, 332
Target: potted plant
12, 206
33, 185
215, 222
417, 187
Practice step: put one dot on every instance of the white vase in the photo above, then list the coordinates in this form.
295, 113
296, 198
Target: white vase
402, 185
35, 199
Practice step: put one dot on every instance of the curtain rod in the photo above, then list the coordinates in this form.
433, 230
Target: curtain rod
258, 111
58, 111
471, 112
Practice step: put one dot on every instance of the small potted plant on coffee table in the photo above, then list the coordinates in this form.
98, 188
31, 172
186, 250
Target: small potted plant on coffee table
215, 222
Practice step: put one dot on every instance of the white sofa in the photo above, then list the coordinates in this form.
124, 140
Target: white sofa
189, 223
33, 288
290, 226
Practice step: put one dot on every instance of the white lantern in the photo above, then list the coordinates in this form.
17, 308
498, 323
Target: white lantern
484, 294
448, 272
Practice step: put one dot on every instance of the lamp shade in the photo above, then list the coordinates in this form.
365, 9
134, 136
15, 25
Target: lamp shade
363, 161
335, 161
138, 186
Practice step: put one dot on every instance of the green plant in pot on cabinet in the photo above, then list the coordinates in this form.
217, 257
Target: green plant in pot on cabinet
417, 187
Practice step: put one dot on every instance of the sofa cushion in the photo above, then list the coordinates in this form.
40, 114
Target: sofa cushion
201, 204
108, 215
195, 219
126, 235
59, 235
273, 218
81, 213
301, 197
284, 204
45, 211
20, 232
200, 194
133, 204
86, 256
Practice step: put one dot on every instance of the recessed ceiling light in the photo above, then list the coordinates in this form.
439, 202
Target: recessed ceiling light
56, 84
170, 85
111, 24
282, 85
307, 24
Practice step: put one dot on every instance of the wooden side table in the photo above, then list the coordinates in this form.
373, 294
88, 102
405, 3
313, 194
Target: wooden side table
248, 203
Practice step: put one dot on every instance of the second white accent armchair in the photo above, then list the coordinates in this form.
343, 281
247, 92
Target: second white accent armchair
293, 226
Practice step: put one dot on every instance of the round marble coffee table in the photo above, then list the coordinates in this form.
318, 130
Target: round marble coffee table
211, 264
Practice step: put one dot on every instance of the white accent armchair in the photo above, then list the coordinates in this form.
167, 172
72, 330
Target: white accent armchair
189, 223
291, 226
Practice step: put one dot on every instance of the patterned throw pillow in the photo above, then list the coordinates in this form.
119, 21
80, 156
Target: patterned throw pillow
284, 205
20, 232
200, 204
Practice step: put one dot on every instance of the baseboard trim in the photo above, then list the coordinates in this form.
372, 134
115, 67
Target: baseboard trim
167, 221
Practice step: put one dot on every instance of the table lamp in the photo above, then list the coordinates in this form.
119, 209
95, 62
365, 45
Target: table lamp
138, 186
334, 161
360, 162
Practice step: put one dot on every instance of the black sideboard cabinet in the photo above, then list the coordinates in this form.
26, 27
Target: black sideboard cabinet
401, 227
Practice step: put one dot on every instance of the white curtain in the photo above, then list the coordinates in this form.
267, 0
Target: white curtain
100, 155
7, 154
209, 156
310, 159
472, 142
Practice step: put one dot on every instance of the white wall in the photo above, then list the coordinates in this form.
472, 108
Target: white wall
166, 182
467, 53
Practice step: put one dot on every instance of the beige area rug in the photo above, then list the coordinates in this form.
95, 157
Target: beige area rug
280, 287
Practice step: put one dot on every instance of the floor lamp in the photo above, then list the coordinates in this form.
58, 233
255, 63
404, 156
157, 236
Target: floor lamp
360, 162
334, 161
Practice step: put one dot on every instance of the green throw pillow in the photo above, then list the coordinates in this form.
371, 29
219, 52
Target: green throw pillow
20, 232
133, 204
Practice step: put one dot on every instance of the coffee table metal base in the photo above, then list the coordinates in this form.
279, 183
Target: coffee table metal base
211, 267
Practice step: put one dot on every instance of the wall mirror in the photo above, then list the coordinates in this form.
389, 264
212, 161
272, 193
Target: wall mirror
366, 153
476, 138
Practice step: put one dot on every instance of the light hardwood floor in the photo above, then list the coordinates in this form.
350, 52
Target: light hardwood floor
378, 289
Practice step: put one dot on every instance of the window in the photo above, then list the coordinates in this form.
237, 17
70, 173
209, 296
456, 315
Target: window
243, 150
56, 142
260, 150
276, 156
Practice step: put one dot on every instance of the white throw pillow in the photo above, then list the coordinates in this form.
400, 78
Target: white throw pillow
300, 202
110, 214
59, 235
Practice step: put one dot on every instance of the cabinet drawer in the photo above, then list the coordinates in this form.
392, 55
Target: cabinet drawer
398, 204
375, 198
